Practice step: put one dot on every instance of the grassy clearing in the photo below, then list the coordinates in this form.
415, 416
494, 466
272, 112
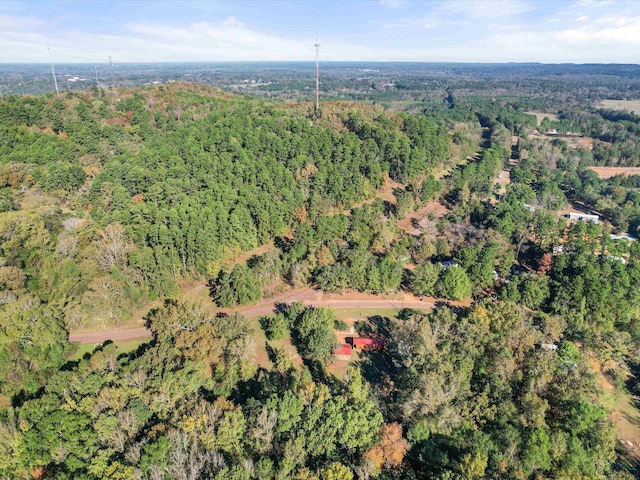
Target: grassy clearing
541, 115
364, 313
123, 346
628, 105
339, 367
626, 416
260, 340
260, 354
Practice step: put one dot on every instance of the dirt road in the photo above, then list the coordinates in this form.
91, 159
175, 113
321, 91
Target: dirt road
111, 334
308, 296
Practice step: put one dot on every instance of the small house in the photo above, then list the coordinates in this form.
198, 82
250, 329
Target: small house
447, 264
343, 350
366, 342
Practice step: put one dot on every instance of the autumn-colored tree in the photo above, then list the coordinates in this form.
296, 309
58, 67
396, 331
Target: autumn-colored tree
300, 214
336, 471
545, 263
390, 450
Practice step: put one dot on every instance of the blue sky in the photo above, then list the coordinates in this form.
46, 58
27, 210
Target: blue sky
577, 31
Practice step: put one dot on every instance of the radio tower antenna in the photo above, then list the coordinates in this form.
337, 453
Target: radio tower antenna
53, 71
97, 81
111, 69
317, 45
113, 81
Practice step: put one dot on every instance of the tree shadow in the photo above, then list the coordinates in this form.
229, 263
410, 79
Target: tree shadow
434, 455
262, 385
376, 366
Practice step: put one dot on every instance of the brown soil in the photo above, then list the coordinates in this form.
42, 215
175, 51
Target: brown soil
433, 207
608, 172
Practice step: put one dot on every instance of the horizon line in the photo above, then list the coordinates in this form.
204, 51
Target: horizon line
431, 62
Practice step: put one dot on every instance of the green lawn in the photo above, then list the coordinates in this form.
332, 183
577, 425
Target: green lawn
124, 346
364, 313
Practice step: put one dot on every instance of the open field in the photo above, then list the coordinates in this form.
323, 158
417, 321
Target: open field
625, 416
628, 105
608, 172
355, 314
124, 346
575, 143
356, 302
540, 116
503, 179
244, 256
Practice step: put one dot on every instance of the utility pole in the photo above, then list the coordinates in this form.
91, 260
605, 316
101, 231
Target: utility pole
53, 71
317, 45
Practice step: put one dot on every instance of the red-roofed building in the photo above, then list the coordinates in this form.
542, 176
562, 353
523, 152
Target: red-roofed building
344, 349
364, 342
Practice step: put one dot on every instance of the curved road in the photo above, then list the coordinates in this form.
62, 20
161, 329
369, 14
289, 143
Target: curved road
311, 298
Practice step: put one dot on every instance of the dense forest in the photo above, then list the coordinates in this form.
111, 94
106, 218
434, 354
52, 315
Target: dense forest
112, 199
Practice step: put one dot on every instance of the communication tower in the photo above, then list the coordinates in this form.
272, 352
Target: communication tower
111, 69
113, 81
317, 45
53, 72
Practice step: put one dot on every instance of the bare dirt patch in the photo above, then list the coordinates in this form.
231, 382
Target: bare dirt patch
608, 172
411, 222
502, 180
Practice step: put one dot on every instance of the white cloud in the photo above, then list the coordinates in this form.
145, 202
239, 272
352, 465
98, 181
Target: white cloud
620, 30
461, 13
592, 3
393, 3
232, 22
12, 23
227, 40
483, 9
451, 31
